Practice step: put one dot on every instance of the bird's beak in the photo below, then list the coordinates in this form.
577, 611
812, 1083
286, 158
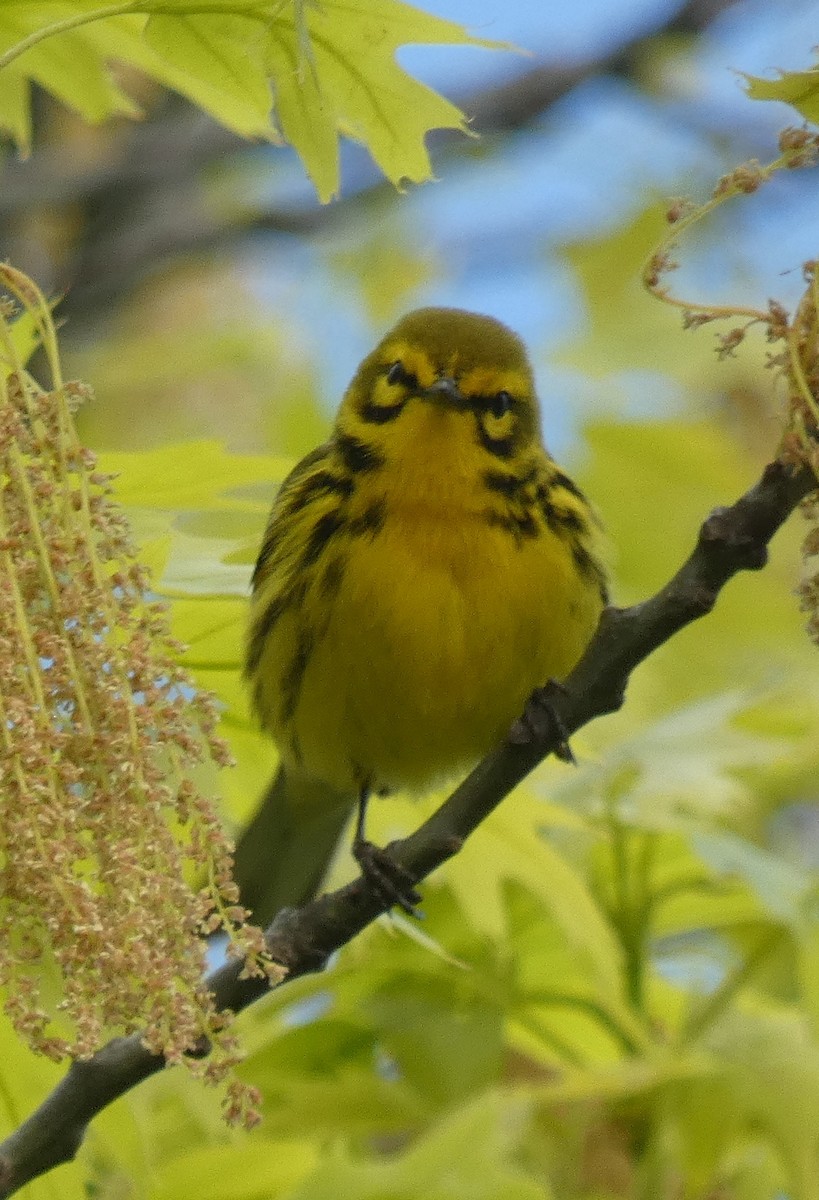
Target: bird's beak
445, 391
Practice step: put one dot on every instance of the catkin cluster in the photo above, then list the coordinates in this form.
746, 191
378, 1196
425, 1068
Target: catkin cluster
797, 362
800, 367
101, 824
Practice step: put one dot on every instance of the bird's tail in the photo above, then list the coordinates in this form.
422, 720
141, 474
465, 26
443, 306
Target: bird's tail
284, 853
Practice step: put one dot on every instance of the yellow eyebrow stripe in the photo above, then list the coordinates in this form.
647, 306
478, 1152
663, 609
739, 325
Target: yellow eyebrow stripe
488, 381
413, 359
477, 381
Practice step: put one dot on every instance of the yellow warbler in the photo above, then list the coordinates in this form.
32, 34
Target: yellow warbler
421, 573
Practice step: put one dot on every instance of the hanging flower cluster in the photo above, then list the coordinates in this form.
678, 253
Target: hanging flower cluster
101, 824
797, 363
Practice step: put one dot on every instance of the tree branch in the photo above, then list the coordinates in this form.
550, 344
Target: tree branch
730, 540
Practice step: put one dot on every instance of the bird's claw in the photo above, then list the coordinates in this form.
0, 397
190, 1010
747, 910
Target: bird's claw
392, 882
540, 720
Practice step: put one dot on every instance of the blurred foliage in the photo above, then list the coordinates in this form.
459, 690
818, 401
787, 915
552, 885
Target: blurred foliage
615, 990
331, 67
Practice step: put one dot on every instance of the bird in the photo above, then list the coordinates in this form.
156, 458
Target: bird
420, 574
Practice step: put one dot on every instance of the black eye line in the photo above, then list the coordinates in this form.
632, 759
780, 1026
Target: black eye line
501, 447
482, 405
397, 373
485, 404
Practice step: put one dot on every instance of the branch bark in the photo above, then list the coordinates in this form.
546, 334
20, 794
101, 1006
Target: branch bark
730, 540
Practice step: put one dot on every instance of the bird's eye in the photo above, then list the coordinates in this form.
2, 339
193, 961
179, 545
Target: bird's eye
500, 404
399, 374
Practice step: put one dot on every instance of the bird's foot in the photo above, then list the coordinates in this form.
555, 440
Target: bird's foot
540, 720
392, 882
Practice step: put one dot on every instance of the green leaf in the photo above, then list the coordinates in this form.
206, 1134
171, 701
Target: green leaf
800, 89
331, 65
628, 330
213, 629
199, 566
561, 1010
687, 898
445, 1034
66, 65
222, 58
623, 1080
807, 949
773, 1067
426, 1029
353, 1103
224, 499
692, 762
376, 101
469, 1155
15, 108
510, 846
193, 476
254, 1167
351, 82
307, 118
781, 889
206, 507
704, 1118
753, 1170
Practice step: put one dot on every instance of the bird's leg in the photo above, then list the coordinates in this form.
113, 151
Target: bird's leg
392, 882
540, 719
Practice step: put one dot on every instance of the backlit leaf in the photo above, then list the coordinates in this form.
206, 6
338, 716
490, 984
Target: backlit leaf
800, 89
222, 57
330, 66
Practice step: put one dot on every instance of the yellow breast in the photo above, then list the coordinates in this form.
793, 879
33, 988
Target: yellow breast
416, 642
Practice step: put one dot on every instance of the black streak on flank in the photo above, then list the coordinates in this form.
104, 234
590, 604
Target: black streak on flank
559, 479
325, 528
507, 483
358, 457
331, 578
291, 684
502, 483
323, 483
560, 520
292, 598
295, 748
371, 521
265, 554
557, 519
590, 569
261, 629
522, 525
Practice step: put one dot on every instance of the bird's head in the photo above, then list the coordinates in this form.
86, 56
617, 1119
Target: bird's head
447, 361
